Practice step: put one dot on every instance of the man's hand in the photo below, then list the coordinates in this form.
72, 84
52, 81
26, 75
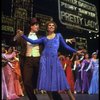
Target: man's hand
19, 32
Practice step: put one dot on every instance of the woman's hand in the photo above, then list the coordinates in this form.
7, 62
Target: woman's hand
80, 52
71, 40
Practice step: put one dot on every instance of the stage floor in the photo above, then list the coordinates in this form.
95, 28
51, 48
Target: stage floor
64, 97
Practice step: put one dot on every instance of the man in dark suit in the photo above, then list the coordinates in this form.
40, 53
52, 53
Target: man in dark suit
29, 59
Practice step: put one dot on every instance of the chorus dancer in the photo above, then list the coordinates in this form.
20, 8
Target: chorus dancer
68, 71
10, 74
85, 76
94, 65
4, 85
77, 67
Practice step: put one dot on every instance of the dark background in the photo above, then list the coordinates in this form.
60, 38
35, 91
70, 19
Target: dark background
50, 8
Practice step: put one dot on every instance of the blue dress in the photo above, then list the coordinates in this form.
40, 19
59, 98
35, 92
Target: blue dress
94, 85
85, 76
51, 74
78, 83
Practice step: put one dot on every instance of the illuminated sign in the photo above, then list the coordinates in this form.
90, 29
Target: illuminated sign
43, 19
23, 4
21, 13
78, 14
81, 43
8, 25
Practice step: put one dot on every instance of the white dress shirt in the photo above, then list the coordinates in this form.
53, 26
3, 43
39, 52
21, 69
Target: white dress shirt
32, 49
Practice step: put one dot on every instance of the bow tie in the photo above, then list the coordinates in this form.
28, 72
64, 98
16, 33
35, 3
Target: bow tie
32, 33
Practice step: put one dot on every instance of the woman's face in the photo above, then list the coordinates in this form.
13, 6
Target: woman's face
68, 58
10, 50
86, 56
95, 56
3, 50
51, 27
77, 57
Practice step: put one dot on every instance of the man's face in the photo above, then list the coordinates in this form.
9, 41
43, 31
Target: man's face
35, 28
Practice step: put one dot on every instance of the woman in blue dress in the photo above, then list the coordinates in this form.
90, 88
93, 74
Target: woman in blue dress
51, 74
94, 65
85, 76
77, 67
